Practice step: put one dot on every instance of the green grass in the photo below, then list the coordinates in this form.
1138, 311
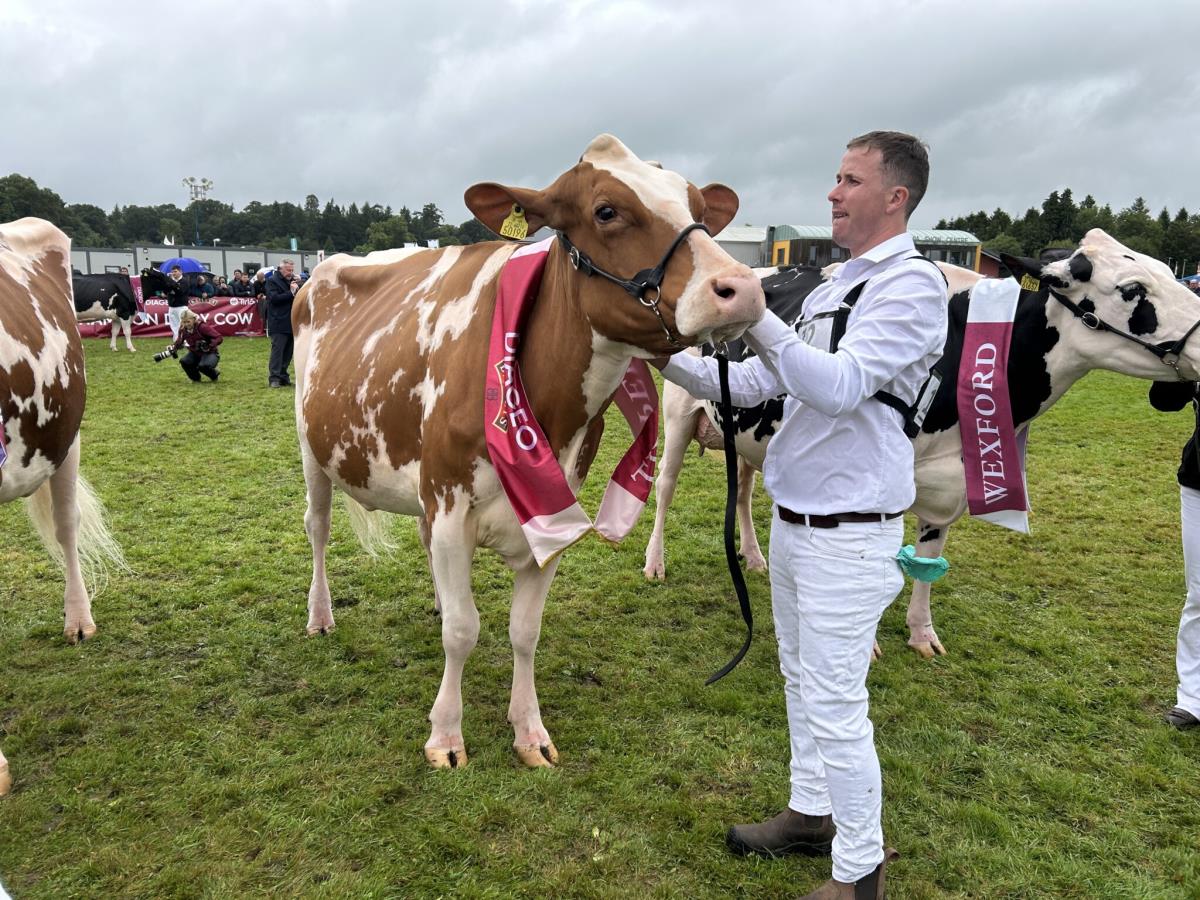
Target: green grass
202, 746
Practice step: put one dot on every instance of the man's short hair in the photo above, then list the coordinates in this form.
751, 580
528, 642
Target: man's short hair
176, 269
287, 262
905, 161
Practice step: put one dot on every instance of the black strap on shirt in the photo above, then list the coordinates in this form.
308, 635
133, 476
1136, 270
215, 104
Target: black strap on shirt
912, 426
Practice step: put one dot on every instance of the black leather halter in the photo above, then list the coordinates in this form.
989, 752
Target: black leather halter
1167, 353
645, 281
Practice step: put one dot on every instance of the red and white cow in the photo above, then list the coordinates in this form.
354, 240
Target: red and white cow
41, 401
391, 355
1055, 342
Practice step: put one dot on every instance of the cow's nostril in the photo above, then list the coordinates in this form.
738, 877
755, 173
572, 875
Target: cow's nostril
726, 293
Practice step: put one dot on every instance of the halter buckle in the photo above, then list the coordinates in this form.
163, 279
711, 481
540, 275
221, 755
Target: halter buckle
650, 304
574, 256
1090, 320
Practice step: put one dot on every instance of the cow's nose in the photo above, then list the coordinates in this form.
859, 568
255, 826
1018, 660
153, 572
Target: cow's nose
738, 295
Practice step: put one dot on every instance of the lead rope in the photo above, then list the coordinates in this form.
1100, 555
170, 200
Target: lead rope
731, 496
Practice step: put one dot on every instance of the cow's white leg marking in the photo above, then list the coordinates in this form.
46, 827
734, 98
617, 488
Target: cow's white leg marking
5, 777
316, 525
681, 412
423, 531
451, 550
750, 550
530, 738
77, 606
922, 637
127, 328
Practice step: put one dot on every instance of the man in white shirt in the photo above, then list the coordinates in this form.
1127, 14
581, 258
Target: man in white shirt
840, 471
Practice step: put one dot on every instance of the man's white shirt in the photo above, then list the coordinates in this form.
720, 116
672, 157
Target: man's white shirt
838, 449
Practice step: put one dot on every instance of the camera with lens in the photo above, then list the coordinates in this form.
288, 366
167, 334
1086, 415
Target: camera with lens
159, 357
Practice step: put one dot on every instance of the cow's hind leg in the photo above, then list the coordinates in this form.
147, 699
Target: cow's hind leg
77, 606
750, 551
531, 740
931, 540
451, 550
423, 531
680, 415
316, 524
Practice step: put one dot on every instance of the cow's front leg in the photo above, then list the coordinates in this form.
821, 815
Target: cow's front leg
64, 502
931, 539
316, 524
5, 777
530, 738
750, 550
127, 329
451, 551
679, 428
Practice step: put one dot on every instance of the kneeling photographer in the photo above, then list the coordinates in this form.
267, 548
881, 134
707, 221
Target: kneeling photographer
201, 341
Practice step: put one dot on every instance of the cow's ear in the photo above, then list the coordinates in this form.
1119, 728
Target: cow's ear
511, 212
720, 206
1027, 271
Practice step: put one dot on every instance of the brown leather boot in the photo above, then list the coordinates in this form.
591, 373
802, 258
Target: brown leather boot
788, 832
869, 887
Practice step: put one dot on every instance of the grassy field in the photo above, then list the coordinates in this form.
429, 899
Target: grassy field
201, 746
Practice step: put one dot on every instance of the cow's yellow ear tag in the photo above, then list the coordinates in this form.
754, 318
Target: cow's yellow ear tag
1029, 283
515, 226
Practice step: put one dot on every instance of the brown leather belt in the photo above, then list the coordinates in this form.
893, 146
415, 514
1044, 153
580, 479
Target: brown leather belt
832, 520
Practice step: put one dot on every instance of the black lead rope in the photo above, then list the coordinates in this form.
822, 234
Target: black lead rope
731, 496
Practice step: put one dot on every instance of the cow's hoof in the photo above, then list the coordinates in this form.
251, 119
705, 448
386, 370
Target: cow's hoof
756, 563
320, 623
446, 759
133, 349
876, 651
927, 649
655, 572
537, 756
5, 779
77, 633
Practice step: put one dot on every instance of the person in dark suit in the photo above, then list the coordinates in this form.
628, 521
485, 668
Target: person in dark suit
279, 291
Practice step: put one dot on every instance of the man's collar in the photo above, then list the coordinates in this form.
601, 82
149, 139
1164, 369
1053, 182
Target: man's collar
893, 246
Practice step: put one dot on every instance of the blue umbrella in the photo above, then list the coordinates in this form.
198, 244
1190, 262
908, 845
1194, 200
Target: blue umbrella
185, 263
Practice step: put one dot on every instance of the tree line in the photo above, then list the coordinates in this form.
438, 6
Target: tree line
333, 228
1061, 222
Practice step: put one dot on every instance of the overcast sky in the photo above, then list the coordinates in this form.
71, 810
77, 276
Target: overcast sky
404, 103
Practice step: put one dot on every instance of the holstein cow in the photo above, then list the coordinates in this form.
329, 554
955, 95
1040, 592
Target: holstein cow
41, 404
1102, 307
106, 296
391, 358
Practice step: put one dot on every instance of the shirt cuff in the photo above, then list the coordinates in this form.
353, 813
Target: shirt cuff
769, 331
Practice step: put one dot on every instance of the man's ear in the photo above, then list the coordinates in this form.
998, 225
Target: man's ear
720, 206
493, 203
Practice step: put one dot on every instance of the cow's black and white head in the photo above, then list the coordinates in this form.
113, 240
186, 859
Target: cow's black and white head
1127, 290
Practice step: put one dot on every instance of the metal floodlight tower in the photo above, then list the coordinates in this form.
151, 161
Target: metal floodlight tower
199, 188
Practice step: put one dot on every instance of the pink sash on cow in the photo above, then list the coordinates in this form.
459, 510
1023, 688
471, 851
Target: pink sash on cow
993, 455
533, 481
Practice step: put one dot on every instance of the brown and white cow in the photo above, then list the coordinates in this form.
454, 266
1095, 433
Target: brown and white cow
391, 353
41, 400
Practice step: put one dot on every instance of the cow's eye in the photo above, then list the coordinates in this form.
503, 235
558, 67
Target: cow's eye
1132, 291
605, 213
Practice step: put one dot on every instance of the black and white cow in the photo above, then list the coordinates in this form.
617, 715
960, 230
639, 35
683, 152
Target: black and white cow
106, 296
1061, 332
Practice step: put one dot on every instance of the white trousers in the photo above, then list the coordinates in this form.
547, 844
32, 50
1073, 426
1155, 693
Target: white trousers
829, 587
1187, 649
174, 314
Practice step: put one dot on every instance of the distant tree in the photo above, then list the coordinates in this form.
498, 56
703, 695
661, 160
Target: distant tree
21, 196
1005, 243
170, 228
385, 234
473, 231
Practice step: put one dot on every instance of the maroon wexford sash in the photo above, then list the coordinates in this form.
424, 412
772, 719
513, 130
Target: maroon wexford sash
993, 454
533, 481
